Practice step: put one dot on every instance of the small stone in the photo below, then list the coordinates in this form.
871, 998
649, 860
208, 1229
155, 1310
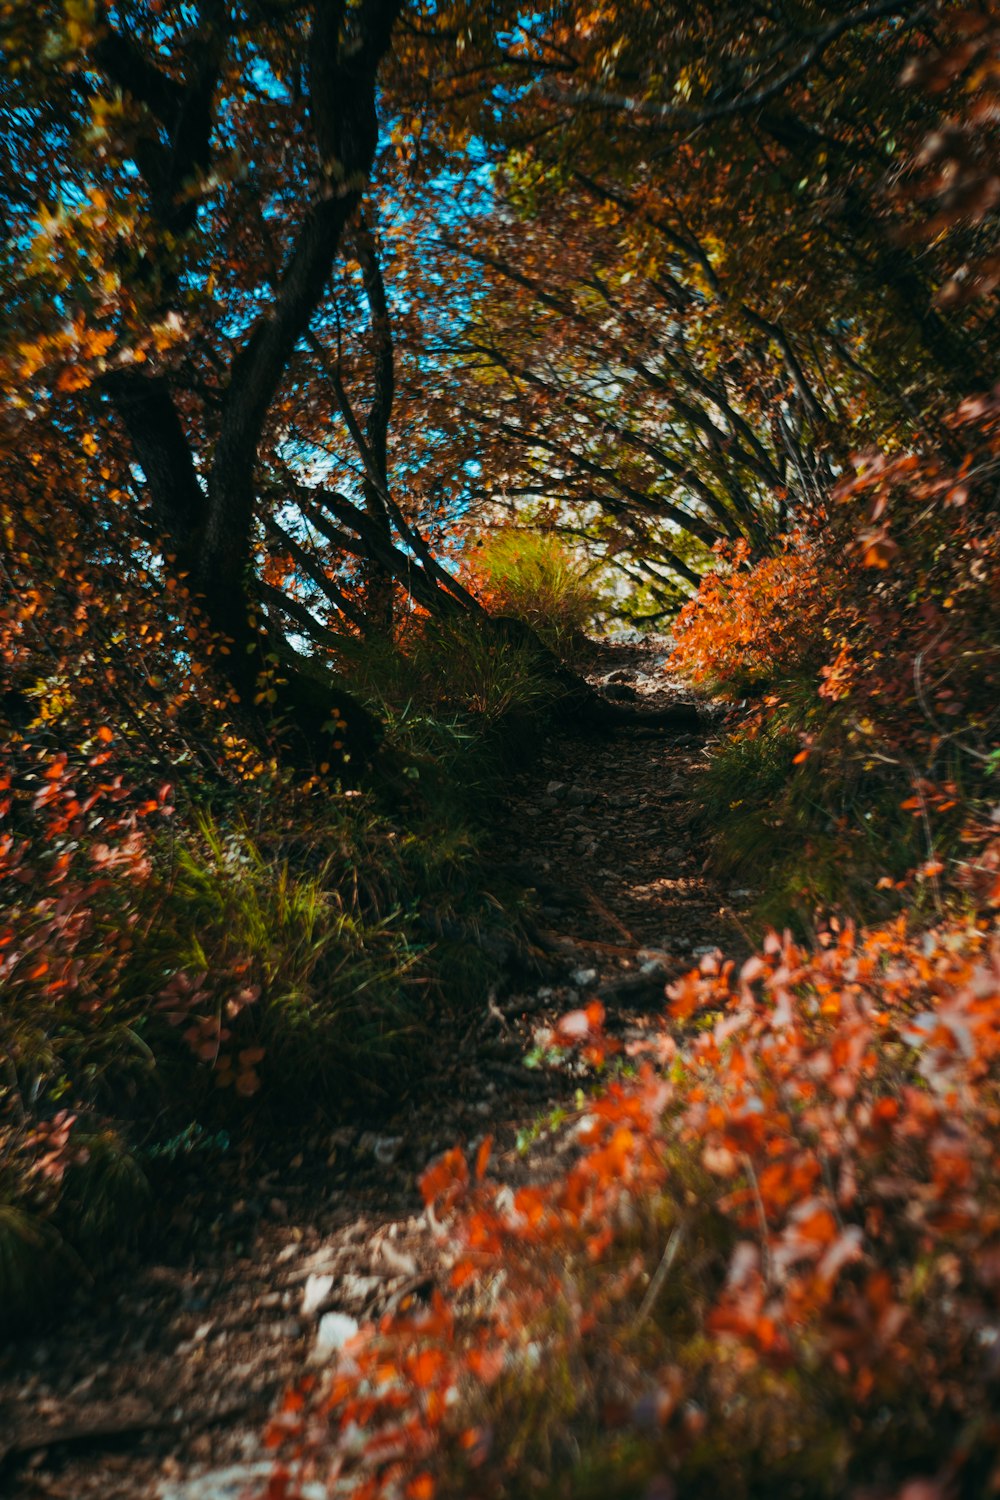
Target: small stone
398, 1261
582, 977
359, 1289
554, 788
325, 1259
384, 1148
335, 1328
315, 1293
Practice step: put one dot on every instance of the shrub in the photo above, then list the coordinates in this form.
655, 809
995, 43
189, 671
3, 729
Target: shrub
769, 1259
750, 627
488, 680
535, 577
868, 751
461, 708
170, 973
294, 980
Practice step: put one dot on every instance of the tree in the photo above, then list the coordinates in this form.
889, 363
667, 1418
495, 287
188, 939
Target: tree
199, 169
293, 327
695, 283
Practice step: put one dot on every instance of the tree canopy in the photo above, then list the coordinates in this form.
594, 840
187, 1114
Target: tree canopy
292, 291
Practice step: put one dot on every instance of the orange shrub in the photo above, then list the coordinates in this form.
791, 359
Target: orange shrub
794, 1204
752, 624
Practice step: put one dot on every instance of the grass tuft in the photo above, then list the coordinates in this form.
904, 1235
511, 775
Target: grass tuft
535, 577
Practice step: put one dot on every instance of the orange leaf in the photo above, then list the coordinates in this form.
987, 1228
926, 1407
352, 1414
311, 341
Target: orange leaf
446, 1177
426, 1368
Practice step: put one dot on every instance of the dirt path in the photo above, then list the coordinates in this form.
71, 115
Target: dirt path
157, 1384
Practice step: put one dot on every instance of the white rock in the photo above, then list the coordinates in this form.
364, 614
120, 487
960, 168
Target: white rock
358, 1288
582, 977
319, 1262
315, 1293
335, 1328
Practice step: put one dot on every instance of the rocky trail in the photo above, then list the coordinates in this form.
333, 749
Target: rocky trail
157, 1382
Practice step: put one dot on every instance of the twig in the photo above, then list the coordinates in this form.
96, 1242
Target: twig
660, 1275
561, 941
608, 915
765, 1252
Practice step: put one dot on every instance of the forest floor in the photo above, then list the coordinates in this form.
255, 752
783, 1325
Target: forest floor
157, 1383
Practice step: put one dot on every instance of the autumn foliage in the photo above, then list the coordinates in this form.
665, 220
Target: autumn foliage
751, 619
298, 301
864, 655
783, 1224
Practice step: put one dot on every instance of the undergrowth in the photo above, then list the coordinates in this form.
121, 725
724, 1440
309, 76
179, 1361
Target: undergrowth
863, 667
221, 962
828, 831
765, 1266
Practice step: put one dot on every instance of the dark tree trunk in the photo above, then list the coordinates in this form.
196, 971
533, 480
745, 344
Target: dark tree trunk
206, 511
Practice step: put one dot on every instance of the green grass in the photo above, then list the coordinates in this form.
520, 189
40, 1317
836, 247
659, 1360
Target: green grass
537, 578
